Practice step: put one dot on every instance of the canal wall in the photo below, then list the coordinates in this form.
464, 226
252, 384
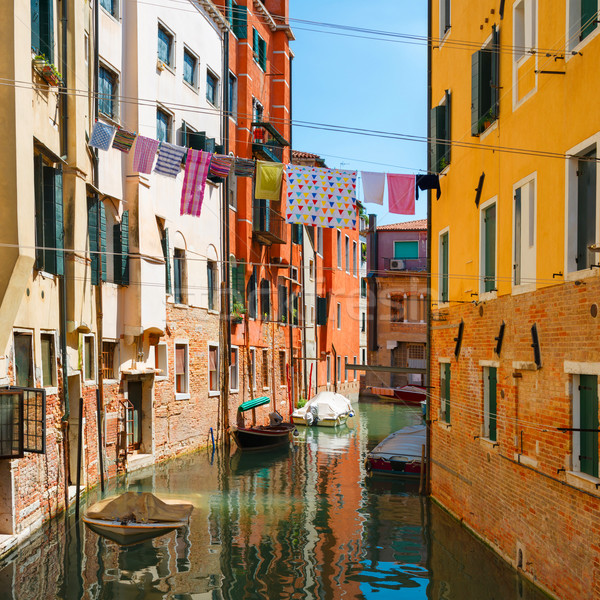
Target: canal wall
519, 486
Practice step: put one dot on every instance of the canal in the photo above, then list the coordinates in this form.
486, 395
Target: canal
302, 523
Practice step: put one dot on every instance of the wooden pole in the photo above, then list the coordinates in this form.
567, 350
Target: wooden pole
79, 453
423, 467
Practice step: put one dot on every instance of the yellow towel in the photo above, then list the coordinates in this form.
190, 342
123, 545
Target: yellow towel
268, 180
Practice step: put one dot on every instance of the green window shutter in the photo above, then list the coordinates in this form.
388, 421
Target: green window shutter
125, 248
102, 212
117, 250
495, 74
588, 411
586, 210
445, 390
230, 11
240, 21
35, 25
38, 170
517, 240
93, 234
444, 252
492, 383
447, 129
165, 248
262, 54
42, 28
589, 10
53, 234
490, 248
475, 85
321, 310
59, 227
237, 277
438, 137
255, 43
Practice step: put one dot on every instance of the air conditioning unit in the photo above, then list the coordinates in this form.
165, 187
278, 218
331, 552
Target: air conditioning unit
396, 264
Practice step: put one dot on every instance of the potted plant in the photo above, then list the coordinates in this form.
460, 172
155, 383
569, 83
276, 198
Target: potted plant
237, 312
51, 74
39, 61
485, 121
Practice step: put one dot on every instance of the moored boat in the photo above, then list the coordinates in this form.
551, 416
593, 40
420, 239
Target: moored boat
399, 454
409, 394
326, 409
136, 517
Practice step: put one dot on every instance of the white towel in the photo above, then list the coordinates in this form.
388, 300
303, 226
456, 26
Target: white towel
373, 186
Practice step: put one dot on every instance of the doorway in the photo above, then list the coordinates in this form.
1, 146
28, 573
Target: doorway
74, 382
134, 415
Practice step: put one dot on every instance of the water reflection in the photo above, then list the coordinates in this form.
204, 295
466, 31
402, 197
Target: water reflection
300, 522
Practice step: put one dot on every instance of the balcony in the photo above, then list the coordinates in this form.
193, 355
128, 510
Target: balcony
267, 142
268, 226
404, 264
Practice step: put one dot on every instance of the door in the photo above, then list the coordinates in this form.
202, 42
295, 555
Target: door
134, 417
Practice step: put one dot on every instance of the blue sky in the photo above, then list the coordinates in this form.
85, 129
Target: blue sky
364, 83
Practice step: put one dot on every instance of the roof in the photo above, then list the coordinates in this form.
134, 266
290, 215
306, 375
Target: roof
307, 158
419, 225
299, 154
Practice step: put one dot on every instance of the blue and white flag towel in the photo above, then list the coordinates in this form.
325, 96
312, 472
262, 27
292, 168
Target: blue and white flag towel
102, 135
169, 159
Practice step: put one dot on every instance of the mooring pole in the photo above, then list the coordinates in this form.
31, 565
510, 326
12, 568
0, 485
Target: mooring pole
79, 453
100, 445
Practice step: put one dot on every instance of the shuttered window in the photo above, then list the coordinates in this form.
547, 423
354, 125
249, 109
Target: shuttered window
259, 47
588, 420
444, 267
211, 280
107, 92
489, 402
586, 210
121, 250
445, 391
179, 276
97, 239
165, 43
252, 294
489, 248
239, 21
42, 28
49, 227
237, 278
164, 241
282, 303
440, 135
485, 84
265, 300
589, 17
321, 310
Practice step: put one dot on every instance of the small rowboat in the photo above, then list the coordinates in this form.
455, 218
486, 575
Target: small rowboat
133, 517
326, 409
399, 454
408, 394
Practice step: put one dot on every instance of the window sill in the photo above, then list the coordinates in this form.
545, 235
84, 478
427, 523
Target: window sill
489, 130
111, 120
444, 425
574, 51
51, 390
192, 87
213, 394
161, 377
487, 296
235, 391
583, 481
179, 396
179, 305
165, 67
523, 459
215, 106
490, 443
583, 274
212, 311
523, 289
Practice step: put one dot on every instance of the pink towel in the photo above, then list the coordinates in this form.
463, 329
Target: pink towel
194, 180
144, 154
401, 194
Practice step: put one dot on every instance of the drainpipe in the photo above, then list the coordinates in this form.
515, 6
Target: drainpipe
63, 88
427, 490
293, 369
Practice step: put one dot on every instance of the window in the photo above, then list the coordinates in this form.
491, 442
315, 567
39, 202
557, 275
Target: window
363, 321
265, 300
488, 248
239, 20
440, 134
232, 95
107, 93
110, 6
339, 249
120, 235
282, 370
444, 282
444, 17
42, 28
311, 269
363, 253
89, 358
108, 359
232, 190
445, 392
320, 241
321, 310
406, 250
524, 263
354, 258
585, 416
49, 229
48, 359
282, 301
582, 18
257, 111
22, 422
363, 287
234, 383
212, 88
345, 368
295, 305
253, 368
397, 308
338, 364
23, 359
339, 315
164, 242
211, 279
328, 369
163, 126
354, 372
489, 403
179, 276
363, 353
161, 363
237, 282
312, 315
347, 250
485, 85
586, 210
165, 46
190, 67
213, 368
524, 28
265, 369
296, 233
259, 50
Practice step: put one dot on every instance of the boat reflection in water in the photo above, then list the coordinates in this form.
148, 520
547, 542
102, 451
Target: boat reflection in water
298, 522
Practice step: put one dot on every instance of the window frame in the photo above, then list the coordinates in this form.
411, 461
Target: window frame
576, 441
18, 332
282, 368
264, 370
347, 250
490, 423
160, 110
232, 91
185, 393
161, 357
340, 261
84, 361
445, 392
113, 77
210, 74
213, 346
339, 315
51, 334
212, 286
113, 11
187, 52
180, 273
354, 258
338, 364
253, 367
105, 369
234, 369
574, 41
170, 35
445, 16
328, 368
484, 277
404, 243
527, 206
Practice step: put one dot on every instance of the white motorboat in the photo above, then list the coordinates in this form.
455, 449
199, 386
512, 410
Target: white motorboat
326, 409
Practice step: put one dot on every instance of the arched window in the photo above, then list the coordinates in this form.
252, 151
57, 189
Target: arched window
252, 295
265, 300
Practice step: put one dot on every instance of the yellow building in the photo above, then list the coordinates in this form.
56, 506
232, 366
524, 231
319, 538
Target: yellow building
515, 345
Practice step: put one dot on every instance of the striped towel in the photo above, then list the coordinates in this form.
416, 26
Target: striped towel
124, 140
102, 135
244, 167
169, 159
143, 156
196, 171
220, 165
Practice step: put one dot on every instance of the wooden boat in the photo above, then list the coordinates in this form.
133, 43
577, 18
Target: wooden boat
326, 409
399, 454
409, 394
133, 517
261, 436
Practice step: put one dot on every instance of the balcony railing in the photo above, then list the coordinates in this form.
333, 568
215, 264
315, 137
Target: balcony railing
267, 142
268, 226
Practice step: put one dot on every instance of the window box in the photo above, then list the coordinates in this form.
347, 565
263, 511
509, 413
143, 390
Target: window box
47, 70
237, 313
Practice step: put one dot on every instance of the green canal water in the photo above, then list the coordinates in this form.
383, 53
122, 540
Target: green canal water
302, 522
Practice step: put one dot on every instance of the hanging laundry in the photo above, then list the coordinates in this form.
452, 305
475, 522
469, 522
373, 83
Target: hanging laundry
144, 154
428, 182
102, 135
268, 180
197, 166
244, 167
401, 194
220, 165
123, 140
169, 159
373, 186
321, 197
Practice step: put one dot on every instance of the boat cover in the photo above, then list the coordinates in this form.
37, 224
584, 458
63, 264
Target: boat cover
249, 404
141, 507
408, 441
329, 405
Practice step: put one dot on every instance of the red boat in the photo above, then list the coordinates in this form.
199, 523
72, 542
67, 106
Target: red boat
263, 436
399, 454
409, 394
